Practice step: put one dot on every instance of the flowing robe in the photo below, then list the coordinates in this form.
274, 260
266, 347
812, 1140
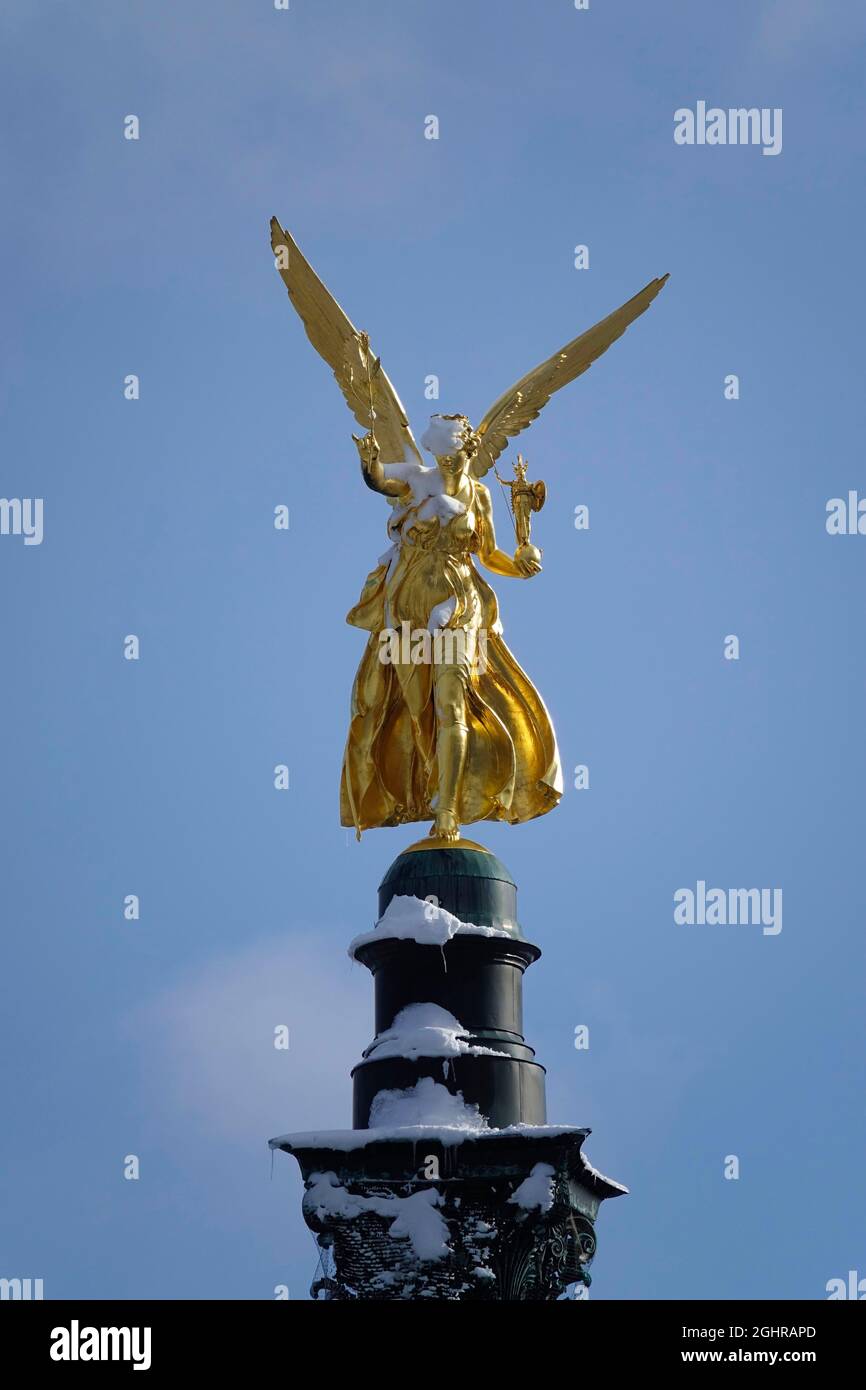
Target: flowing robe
428, 582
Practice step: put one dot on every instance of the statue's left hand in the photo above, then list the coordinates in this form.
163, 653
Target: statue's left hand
527, 559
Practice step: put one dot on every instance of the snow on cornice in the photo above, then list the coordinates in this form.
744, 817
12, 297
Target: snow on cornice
407, 918
345, 1140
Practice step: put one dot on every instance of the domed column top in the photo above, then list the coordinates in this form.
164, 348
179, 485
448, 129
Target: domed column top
462, 877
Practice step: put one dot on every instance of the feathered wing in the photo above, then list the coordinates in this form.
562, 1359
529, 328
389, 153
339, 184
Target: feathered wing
524, 401
346, 351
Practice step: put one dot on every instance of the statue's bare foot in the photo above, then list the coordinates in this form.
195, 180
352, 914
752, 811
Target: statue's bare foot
445, 826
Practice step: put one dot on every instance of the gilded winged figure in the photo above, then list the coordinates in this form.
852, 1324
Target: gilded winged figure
444, 723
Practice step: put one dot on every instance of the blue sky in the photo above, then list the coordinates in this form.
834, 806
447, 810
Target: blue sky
707, 517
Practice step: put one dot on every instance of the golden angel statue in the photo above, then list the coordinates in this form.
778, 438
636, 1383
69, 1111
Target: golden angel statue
444, 723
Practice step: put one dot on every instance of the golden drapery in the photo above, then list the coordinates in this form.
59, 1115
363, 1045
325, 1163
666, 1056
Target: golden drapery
389, 776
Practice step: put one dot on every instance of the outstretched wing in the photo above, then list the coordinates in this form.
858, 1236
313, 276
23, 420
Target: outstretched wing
346, 351
523, 403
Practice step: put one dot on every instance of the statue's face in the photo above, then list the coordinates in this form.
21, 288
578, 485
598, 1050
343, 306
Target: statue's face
454, 465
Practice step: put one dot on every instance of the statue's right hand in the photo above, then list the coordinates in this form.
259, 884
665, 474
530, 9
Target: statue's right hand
368, 450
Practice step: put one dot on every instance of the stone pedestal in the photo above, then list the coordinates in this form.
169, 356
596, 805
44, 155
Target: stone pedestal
451, 1185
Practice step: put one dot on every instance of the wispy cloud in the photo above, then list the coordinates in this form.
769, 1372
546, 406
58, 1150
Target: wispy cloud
791, 28
207, 1043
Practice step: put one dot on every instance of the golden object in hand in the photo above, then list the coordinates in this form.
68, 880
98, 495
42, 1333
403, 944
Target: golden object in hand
526, 498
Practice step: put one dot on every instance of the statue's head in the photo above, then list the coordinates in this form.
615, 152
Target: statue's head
453, 442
